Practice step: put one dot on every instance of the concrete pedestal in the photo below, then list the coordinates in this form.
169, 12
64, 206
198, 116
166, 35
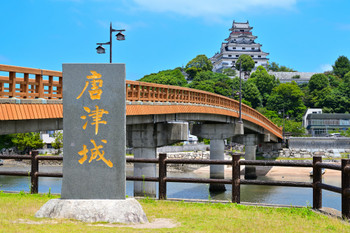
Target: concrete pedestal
217, 147
94, 210
250, 154
145, 169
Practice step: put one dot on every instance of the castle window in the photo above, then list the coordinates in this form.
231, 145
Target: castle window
243, 48
259, 56
229, 55
234, 48
252, 55
237, 55
253, 48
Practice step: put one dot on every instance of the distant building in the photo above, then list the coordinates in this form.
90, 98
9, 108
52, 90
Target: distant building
322, 124
241, 41
308, 112
298, 77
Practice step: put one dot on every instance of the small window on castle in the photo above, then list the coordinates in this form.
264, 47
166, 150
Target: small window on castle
237, 55
241, 30
259, 56
229, 55
252, 55
243, 48
233, 47
253, 48
256, 62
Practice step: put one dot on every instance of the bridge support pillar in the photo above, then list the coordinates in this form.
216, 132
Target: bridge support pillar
146, 170
250, 141
145, 138
216, 133
217, 147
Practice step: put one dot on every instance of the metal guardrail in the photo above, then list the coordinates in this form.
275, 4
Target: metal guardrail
235, 181
44, 86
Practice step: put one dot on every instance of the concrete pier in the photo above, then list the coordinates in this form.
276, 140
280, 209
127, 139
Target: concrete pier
145, 138
216, 133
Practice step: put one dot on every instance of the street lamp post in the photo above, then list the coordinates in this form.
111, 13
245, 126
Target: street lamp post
283, 130
240, 92
120, 36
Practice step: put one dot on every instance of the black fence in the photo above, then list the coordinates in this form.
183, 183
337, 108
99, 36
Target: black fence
236, 181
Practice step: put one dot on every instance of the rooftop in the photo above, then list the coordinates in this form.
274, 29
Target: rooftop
342, 116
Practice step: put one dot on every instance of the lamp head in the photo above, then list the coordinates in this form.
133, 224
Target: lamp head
100, 49
120, 36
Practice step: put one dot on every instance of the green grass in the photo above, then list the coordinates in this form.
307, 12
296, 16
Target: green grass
17, 211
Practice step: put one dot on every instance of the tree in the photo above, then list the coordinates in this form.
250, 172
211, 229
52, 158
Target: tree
318, 82
166, 77
197, 64
6, 141
229, 72
247, 63
341, 66
213, 82
251, 93
26, 142
58, 142
264, 82
288, 96
276, 68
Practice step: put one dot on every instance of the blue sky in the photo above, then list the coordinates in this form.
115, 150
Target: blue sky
307, 35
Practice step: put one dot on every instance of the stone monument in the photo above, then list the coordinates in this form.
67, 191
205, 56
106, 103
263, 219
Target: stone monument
94, 119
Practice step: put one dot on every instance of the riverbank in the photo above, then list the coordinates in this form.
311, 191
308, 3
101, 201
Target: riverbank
276, 171
17, 215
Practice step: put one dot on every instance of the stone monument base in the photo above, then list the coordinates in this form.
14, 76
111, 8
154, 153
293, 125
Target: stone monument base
94, 210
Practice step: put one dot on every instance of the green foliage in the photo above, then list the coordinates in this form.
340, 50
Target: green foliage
58, 142
345, 133
6, 141
264, 82
251, 93
247, 63
318, 82
341, 66
212, 82
290, 97
25, 142
334, 81
290, 126
229, 72
198, 64
166, 77
276, 68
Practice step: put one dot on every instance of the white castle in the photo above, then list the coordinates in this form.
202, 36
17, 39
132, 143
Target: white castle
240, 41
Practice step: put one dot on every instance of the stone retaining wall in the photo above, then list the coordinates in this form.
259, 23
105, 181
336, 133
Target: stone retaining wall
305, 153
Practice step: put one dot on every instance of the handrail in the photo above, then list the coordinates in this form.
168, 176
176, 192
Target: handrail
44, 86
235, 180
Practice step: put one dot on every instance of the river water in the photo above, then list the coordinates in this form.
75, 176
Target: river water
249, 193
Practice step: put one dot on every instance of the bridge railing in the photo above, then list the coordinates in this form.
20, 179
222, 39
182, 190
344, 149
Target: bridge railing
30, 83
151, 92
19, 84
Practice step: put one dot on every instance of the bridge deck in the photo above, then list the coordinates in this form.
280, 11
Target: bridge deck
20, 96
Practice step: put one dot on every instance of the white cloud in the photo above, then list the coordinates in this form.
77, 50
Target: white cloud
210, 8
326, 67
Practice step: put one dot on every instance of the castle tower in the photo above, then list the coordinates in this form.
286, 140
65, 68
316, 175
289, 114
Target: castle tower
241, 41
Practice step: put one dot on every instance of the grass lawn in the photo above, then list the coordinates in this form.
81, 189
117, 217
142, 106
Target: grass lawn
17, 215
